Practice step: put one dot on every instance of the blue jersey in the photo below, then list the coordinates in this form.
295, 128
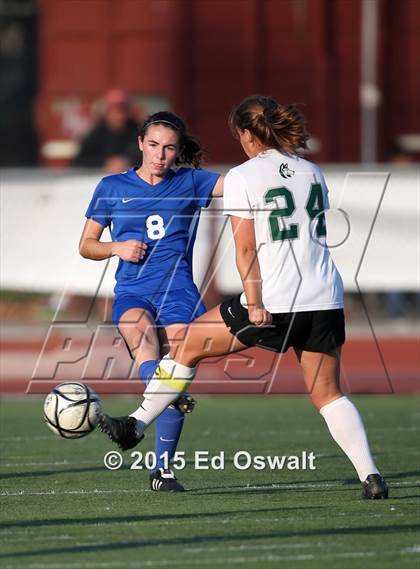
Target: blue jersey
164, 216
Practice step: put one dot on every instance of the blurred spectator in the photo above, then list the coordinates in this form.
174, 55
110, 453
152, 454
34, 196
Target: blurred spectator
112, 144
399, 156
18, 83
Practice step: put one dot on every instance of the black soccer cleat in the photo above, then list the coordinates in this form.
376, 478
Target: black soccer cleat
164, 480
121, 430
375, 488
185, 403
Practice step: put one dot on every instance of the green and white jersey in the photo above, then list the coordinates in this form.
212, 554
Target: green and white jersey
286, 197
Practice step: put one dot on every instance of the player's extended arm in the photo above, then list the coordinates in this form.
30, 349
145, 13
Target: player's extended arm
91, 247
249, 268
218, 188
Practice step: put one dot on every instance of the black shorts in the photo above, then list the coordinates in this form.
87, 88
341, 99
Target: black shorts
313, 331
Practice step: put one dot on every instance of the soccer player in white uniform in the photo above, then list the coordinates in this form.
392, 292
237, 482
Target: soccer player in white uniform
293, 293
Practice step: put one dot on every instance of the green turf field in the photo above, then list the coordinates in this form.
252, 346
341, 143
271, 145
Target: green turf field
62, 509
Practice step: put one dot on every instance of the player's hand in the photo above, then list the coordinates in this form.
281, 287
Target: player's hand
131, 250
259, 316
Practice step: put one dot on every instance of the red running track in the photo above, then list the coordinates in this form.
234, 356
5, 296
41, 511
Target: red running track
388, 365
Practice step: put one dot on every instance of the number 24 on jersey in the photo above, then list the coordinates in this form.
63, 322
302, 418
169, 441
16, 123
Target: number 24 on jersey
314, 207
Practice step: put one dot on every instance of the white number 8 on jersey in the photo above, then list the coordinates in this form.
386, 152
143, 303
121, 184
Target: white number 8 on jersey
155, 227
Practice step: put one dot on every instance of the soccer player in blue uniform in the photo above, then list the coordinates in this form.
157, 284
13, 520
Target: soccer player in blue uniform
152, 212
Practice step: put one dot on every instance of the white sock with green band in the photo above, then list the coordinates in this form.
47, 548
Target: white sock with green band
174, 369
168, 382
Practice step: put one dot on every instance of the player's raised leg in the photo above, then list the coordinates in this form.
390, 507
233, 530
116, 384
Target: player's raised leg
205, 337
321, 373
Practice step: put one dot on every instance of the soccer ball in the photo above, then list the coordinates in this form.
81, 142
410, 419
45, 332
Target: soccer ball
72, 410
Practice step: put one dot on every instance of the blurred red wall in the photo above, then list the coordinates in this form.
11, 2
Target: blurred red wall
203, 56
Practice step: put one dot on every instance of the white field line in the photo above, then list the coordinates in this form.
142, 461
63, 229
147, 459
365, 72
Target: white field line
56, 463
244, 547
26, 438
177, 522
23, 539
411, 429
269, 558
301, 486
63, 462
381, 429
28, 533
22, 457
76, 492
413, 549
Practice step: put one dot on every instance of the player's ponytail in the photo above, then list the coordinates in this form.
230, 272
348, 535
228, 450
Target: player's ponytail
276, 126
191, 152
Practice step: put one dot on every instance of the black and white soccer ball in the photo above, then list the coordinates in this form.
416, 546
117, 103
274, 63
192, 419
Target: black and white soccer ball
72, 410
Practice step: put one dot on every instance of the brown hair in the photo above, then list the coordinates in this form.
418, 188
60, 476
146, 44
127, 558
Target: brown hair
191, 152
276, 126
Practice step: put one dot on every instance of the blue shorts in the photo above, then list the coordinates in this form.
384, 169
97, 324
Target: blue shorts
173, 307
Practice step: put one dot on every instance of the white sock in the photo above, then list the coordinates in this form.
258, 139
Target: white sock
346, 427
159, 392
